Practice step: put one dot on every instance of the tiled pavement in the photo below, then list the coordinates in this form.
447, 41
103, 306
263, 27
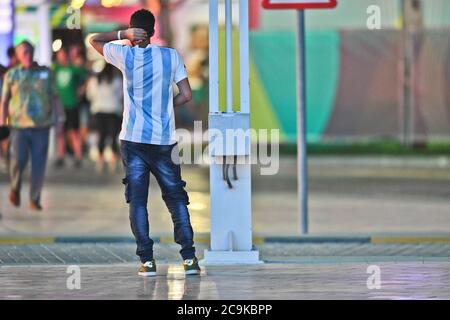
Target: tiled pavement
291, 271
270, 252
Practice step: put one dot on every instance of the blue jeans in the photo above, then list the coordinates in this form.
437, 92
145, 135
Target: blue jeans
23, 144
139, 161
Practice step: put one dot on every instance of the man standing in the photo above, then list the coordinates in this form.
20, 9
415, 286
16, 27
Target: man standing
148, 132
28, 108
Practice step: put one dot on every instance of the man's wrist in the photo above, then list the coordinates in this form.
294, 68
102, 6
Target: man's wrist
122, 34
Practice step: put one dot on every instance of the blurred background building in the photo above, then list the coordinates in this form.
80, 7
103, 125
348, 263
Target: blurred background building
362, 84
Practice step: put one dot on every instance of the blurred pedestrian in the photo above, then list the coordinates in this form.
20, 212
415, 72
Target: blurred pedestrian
29, 107
77, 58
105, 93
68, 81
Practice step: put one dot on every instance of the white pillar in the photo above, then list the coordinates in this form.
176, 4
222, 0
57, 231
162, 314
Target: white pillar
45, 37
231, 209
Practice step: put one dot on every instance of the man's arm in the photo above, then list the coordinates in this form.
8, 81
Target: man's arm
4, 103
135, 35
185, 94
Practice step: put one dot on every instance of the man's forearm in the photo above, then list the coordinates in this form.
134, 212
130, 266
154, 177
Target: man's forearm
100, 39
180, 100
3, 112
107, 36
133, 34
185, 94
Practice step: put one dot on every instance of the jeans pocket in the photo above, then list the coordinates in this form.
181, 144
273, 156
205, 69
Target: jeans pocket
127, 190
166, 150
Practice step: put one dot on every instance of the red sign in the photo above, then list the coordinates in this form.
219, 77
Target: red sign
299, 4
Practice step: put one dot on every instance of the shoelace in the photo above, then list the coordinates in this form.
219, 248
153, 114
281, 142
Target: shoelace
148, 264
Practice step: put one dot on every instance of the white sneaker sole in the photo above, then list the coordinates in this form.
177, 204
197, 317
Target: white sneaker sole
192, 272
147, 274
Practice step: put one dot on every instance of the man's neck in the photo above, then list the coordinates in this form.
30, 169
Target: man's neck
26, 67
144, 44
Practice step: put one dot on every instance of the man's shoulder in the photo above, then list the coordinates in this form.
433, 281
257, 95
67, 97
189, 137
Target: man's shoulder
114, 50
43, 68
43, 71
115, 45
11, 72
171, 49
174, 53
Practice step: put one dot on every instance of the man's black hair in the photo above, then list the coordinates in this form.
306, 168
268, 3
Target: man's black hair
11, 52
27, 44
143, 19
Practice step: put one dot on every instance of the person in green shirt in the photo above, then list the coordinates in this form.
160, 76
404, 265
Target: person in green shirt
29, 107
68, 79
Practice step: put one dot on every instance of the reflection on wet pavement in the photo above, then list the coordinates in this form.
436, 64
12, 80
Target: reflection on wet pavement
270, 281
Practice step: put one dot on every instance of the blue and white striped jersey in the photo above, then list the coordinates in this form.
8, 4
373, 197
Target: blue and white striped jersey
148, 73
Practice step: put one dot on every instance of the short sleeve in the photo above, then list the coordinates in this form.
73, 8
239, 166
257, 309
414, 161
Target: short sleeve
115, 54
180, 71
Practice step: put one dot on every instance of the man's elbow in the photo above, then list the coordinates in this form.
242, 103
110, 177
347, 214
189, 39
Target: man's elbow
91, 40
96, 45
187, 96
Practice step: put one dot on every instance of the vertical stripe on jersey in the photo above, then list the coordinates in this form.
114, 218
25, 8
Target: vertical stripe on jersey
156, 97
148, 91
139, 91
129, 70
126, 106
166, 83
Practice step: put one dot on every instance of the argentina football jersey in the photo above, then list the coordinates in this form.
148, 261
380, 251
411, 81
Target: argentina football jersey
148, 77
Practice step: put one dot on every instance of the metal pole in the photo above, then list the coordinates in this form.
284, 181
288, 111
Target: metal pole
301, 123
408, 99
213, 56
229, 54
412, 35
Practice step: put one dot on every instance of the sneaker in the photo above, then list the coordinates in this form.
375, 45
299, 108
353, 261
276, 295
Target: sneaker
100, 167
78, 164
35, 206
191, 267
148, 269
59, 164
14, 198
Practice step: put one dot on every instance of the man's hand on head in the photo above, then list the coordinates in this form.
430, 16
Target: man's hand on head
135, 35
